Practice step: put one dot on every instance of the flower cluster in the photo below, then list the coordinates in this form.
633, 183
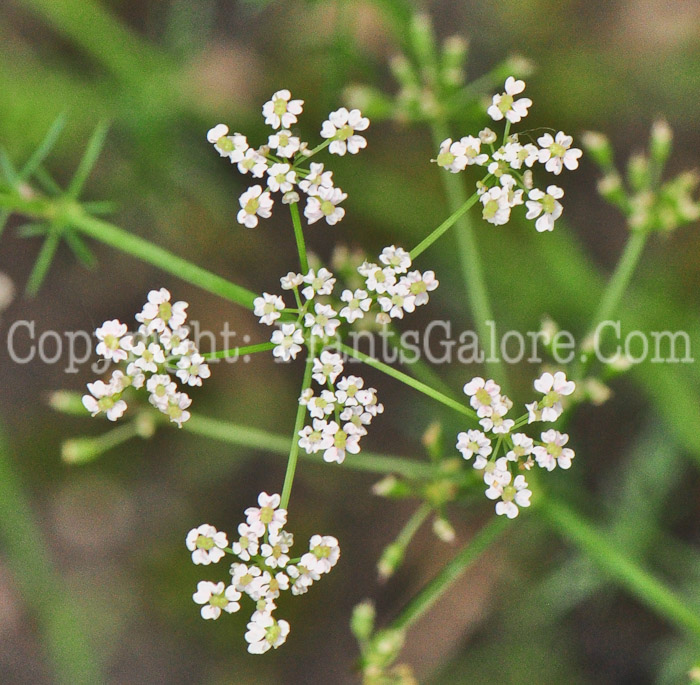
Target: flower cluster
520, 452
263, 571
339, 413
509, 182
280, 163
159, 347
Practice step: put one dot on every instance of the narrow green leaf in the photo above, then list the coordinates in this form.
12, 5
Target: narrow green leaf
44, 148
42, 264
92, 152
80, 249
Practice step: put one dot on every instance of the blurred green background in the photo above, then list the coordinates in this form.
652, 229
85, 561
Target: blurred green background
532, 610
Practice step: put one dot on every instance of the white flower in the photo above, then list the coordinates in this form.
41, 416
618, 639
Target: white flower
378, 279
192, 369
367, 397
473, 442
495, 471
291, 280
553, 387
327, 367
270, 590
316, 178
345, 440
505, 104
148, 358
487, 136
234, 147
206, 544
176, 410
284, 142
455, 157
254, 162
341, 126
268, 308
557, 153
322, 323
553, 453
246, 578
112, 344
495, 423
485, 395
162, 389
358, 303
397, 258
496, 202
513, 496
419, 285
325, 205
275, 551
522, 446
159, 313
254, 203
175, 340
215, 597
398, 299
452, 156
247, 543
316, 438
104, 399
547, 204
347, 389
266, 515
326, 550
280, 110
281, 177
320, 283
265, 633
358, 416
319, 406
516, 154
288, 341
304, 576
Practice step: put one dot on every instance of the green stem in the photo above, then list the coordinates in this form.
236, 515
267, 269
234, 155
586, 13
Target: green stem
122, 240
619, 281
412, 525
450, 573
65, 633
408, 380
298, 424
472, 269
648, 589
451, 220
299, 235
255, 438
237, 352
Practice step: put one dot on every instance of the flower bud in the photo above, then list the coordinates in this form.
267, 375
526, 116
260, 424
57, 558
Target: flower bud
598, 147
362, 620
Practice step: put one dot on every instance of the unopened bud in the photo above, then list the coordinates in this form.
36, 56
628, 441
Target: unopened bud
362, 620
443, 529
67, 403
598, 147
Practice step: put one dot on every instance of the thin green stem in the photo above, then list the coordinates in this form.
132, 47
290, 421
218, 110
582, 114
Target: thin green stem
648, 589
617, 285
412, 525
450, 573
255, 438
472, 269
298, 424
122, 240
299, 235
408, 380
237, 352
65, 633
451, 220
